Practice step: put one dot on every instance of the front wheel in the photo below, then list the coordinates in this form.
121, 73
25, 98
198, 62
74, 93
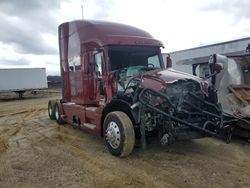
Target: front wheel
119, 134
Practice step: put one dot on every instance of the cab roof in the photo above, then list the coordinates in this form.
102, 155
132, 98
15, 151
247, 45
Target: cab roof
107, 33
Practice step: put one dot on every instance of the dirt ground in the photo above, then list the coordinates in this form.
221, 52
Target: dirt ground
36, 152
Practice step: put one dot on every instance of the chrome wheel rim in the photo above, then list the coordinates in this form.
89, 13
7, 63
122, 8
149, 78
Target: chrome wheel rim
113, 135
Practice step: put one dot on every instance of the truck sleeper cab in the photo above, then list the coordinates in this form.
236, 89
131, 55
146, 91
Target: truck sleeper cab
114, 85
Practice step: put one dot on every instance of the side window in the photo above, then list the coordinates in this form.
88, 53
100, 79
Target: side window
154, 61
98, 63
75, 63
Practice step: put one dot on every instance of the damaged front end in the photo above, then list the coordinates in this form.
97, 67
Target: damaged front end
180, 110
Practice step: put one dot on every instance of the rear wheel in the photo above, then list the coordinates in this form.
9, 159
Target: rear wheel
51, 110
58, 115
119, 134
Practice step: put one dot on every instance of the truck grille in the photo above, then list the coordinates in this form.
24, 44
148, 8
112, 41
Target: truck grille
178, 92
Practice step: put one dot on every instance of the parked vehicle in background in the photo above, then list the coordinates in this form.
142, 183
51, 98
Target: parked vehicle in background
233, 88
19, 80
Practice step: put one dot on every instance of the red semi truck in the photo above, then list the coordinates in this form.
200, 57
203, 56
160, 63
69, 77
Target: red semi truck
114, 85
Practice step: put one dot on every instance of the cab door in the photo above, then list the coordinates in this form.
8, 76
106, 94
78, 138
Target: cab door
91, 76
88, 79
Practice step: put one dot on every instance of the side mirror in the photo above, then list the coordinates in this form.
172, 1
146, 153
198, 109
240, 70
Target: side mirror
218, 67
168, 62
216, 63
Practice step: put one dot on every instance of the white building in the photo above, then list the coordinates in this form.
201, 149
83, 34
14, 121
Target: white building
182, 59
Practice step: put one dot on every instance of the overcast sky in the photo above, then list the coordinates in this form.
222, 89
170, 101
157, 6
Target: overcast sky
28, 32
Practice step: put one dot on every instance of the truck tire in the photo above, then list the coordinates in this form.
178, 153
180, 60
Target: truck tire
58, 115
51, 110
119, 134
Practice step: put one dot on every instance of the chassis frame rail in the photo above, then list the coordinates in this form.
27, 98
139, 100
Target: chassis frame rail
202, 128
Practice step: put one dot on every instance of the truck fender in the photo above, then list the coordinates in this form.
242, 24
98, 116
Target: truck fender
118, 105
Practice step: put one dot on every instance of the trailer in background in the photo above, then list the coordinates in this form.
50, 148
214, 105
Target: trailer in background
19, 80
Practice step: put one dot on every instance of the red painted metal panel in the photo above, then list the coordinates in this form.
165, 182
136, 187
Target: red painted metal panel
106, 33
87, 115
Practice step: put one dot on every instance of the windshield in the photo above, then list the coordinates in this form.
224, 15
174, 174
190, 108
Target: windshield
129, 56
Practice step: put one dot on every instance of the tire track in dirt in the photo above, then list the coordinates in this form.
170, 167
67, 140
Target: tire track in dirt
43, 144
33, 113
3, 145
14, 113
9, 132
26, 120
107, 174
156, 168
60, 139
4, 167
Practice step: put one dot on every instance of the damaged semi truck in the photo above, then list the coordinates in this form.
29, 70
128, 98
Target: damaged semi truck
114, 85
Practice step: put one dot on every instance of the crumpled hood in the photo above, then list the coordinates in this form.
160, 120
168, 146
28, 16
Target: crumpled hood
166, 76
170, 75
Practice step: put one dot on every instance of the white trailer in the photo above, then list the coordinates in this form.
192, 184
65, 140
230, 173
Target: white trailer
20, 80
